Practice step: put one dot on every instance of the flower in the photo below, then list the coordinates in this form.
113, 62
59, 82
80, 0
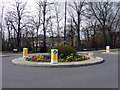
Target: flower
41, 57
66, 60
72, 59
84, 57
46, 58
37, 58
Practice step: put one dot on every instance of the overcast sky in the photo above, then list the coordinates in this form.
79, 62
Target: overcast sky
31, 5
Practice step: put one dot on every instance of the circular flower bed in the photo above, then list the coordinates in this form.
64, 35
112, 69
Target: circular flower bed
61, 58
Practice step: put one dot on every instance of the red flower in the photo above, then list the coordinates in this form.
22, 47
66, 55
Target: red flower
84, 57
33, 56
33, 59
72, 59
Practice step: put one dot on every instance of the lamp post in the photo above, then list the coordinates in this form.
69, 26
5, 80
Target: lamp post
65, 24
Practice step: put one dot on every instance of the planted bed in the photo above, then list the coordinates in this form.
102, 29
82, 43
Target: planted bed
61, 58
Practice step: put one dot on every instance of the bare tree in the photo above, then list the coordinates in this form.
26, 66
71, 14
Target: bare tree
65, 23
115, 30
51, 27
18, 15
45, 19
105, 15
2, 22
36, 22
71, 32
9, 30
44, 5
2, 29
78, 8
58, 19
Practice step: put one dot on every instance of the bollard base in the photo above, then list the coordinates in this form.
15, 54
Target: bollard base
25, 57
91, 54
107, 49
54, 61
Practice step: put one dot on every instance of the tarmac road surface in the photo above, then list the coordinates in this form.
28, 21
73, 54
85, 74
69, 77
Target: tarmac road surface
104, 75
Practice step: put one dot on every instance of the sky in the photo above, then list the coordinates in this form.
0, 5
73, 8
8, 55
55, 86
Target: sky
31, 5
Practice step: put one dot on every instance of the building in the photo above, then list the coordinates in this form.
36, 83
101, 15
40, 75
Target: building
50, 41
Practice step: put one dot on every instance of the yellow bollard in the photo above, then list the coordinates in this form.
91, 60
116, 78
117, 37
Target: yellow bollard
91, 54
54, 56
25, 52
107, 49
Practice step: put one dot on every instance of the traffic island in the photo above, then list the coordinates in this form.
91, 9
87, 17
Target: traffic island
91, 61
67, 57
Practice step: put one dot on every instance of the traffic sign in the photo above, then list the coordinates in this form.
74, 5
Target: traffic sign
55, 51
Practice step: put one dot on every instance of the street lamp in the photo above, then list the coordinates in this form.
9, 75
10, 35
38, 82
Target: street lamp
65, 25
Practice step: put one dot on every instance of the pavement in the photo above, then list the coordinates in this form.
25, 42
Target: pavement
6, 54
104, 75
112, 51
115, 52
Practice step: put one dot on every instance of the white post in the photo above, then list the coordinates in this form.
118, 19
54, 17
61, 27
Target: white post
107, 49
54, 56
25, 52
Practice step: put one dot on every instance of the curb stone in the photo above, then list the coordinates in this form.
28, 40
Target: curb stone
92, 61
117, 52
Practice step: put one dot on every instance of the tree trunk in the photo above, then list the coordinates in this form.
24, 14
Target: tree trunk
93, 43
37, 41
18, 41
114, 41
52, 41
8, 38
58, 38
104, 36
19, 31
72, 41
111, 41
52, 35
88, 36
65, 25
78, 30
44, 31
32, 41
44, 40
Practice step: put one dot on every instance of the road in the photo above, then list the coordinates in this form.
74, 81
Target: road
104, 75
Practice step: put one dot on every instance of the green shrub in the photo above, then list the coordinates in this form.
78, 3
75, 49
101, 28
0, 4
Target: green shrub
34, 49
38, 49
65, 50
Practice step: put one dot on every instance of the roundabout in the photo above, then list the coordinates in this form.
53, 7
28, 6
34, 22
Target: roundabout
54, 59
91, 61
